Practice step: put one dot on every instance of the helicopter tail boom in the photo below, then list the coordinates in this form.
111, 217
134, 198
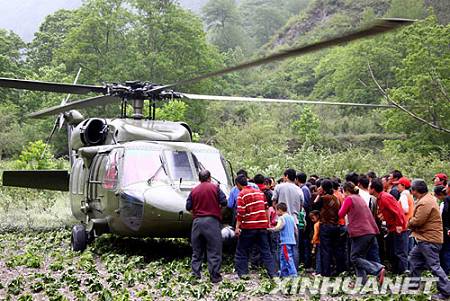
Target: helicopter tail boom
37, 179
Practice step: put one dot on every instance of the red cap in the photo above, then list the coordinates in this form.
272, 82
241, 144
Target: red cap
405, 182
441, 176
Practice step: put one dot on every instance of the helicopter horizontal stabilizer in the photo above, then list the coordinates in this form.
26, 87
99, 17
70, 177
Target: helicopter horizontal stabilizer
37, 179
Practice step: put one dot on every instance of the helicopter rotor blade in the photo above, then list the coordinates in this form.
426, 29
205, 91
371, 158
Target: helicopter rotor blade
273, 100
381, 26
34, 85
77, 104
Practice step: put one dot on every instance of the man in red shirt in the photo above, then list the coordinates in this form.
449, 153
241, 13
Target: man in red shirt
251, 228
204, 202
391, 212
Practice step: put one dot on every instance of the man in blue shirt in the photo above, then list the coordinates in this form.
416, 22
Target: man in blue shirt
232, 198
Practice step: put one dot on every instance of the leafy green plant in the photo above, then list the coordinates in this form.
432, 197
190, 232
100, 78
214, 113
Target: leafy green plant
37, 155
28, 259
25, 297
16, 286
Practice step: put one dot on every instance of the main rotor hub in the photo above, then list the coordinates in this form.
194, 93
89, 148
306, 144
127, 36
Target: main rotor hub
136, 92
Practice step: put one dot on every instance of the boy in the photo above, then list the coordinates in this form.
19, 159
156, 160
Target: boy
288, 231
315, 216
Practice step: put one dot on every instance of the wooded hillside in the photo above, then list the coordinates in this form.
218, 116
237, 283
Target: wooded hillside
158, 41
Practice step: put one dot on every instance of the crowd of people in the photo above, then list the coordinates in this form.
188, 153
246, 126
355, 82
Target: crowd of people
366, 224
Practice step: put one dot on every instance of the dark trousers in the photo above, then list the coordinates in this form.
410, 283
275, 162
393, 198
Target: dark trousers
331, 249
398, 251
425, 255
274, 243
246, 240
304, 247
361, 245
445, 256
374, 252
206, 238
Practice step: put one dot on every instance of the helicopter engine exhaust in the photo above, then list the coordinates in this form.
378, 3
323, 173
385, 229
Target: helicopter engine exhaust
90, 132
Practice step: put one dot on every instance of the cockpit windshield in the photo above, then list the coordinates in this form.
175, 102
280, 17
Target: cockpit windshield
180, 165
140, 165
213, 162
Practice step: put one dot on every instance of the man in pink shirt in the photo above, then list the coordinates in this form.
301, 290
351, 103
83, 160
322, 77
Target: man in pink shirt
362, 230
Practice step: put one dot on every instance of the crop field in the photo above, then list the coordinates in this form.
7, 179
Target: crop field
37, 263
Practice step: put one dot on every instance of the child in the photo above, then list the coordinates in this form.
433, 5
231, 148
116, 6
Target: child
288, 231
274, 237
315, 216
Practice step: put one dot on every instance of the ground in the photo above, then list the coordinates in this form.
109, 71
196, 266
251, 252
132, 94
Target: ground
39, 265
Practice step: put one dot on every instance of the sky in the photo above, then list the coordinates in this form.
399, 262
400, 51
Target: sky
24, 16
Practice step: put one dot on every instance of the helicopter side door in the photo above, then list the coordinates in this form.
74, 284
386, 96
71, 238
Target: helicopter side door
77, 189
95, 192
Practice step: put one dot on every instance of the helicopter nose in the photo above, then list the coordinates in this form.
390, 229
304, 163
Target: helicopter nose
166, 199
131, 208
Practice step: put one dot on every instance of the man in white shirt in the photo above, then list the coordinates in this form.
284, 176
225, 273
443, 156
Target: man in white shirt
292, 196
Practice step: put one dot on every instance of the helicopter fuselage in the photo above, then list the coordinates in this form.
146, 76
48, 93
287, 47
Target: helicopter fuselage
139, 188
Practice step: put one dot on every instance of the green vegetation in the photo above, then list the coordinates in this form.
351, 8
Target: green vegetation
120, 269
158, 41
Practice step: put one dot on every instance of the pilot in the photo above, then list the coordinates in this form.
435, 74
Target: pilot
205, 202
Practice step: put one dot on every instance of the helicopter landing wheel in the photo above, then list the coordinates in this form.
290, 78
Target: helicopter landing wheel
79, 238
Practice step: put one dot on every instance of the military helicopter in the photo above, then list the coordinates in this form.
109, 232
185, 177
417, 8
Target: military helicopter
131, 175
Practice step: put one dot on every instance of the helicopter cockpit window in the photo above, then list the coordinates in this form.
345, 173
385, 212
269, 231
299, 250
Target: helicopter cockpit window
112, 172
140, 165
213, 162
179, 163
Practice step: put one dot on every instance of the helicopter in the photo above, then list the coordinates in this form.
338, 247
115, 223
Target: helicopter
131, 175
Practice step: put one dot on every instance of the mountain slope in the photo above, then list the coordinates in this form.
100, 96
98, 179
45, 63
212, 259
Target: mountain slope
328, 16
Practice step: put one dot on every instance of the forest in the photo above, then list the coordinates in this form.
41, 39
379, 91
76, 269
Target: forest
160, 42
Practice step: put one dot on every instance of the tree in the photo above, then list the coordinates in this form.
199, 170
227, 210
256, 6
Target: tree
171, 44
411, 9
263, 18
101, 44
423, 86
254, 144
11, 135
50, 36
224, 24
306, 128
11, 47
